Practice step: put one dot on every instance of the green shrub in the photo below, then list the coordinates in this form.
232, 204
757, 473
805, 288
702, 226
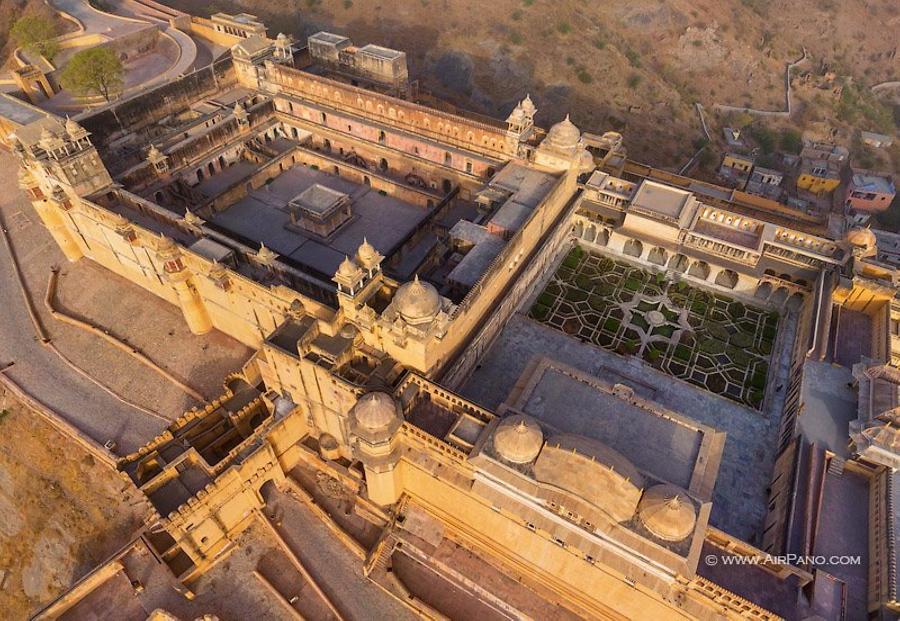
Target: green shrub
718, 331
758, 380
584, 282
632, 284
634, 80
546, 299
584, 77
682, 353
791, 142
742, 339
539, 312
564, 27
574, 257
633, 57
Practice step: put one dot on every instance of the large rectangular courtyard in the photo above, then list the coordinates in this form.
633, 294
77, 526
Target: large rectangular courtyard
708, 339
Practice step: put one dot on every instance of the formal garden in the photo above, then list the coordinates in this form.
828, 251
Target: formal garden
705, 338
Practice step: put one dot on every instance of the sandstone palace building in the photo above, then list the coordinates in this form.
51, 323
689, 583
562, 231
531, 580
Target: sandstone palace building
591, 373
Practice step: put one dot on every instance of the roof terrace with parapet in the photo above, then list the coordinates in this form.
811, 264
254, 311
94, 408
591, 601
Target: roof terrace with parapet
198, 446
342, 354
596, 472
211, 242
442, 414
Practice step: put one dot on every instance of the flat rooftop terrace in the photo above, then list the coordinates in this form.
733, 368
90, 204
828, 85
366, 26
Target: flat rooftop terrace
662, 447
739, 497
261, 216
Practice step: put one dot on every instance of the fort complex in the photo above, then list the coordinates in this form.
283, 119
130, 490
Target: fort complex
601, 379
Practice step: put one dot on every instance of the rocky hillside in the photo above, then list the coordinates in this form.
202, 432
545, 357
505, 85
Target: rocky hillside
636, 66
11, 10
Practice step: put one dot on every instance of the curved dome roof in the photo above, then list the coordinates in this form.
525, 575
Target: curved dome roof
861, 238
367, 254
73, 128
417, 301
375, 411
528, 106
563, 135
518, 439
516, 116
667, 513
348, 270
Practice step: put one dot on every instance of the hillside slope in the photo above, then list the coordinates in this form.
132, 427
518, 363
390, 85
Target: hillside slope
636, 67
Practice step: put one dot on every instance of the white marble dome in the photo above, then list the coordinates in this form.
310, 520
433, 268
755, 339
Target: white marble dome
667, 513
518, 439
563, 135
417, 301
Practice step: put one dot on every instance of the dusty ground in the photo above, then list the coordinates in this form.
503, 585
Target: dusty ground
636, 67
62, 511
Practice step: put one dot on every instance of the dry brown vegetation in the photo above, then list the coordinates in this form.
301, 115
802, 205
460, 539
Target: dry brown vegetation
62, 511
12, 10
636, 67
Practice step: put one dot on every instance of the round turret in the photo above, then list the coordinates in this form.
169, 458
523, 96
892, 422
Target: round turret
417, 301
667, 513
375, 416
564, 135
518, 439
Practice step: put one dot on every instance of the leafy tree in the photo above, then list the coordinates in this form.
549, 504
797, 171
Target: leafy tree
96, 71
764, 137
36, 34
791, 141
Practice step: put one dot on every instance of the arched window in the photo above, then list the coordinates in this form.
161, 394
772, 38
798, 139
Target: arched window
727, 279
633, 248
699, 269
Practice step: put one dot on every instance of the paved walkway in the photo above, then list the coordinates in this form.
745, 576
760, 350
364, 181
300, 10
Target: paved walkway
338, 572
87, 290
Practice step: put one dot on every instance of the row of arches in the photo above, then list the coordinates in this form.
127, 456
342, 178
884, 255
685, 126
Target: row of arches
778, 296
657, 255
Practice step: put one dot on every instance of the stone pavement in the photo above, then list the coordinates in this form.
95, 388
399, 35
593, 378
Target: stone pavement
739, 501
132, 314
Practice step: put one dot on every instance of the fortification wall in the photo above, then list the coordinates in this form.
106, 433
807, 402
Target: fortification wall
136, 112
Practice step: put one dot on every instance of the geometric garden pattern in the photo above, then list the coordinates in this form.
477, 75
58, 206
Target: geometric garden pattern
707, 339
